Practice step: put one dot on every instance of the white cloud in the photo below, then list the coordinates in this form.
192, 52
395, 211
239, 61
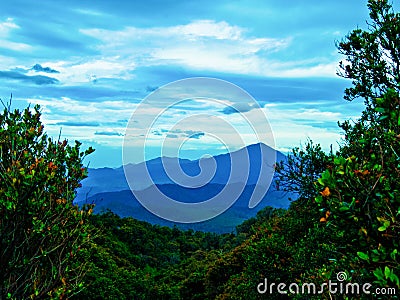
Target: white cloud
208, 28
291, 127
321, 69
90, 12
107, 116
208, 45
6, 28
203, 44
83, 71
191, 31
7, 61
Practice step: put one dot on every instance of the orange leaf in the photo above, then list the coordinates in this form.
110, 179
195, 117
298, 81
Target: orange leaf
325, 192
365, 172
322, 220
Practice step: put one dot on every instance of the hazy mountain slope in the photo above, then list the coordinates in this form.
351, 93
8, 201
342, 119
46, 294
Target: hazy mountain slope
242, 170
111, 180
124, 204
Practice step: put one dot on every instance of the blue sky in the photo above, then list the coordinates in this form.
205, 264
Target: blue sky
90, 63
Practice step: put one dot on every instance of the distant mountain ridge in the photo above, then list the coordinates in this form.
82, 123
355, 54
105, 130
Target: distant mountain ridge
112, 180
108, 188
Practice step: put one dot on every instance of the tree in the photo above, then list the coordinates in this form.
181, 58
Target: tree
360, 193
372, 57
372, 62
41, 230
300, 171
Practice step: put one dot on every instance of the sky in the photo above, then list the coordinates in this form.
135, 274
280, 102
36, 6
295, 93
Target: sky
91, 64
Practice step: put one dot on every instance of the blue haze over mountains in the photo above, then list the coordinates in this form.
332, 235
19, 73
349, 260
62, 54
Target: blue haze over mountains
109, 190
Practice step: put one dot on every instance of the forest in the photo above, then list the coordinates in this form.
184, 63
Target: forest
343, 227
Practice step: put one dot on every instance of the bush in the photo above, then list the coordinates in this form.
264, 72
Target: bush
41, 229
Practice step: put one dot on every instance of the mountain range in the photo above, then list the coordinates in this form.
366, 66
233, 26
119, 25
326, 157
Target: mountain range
249, 170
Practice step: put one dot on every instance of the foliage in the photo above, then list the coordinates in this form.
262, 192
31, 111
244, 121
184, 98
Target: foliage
133, 259
372, 56
360, 190
250, 226
301, 169
41, 230
362, 194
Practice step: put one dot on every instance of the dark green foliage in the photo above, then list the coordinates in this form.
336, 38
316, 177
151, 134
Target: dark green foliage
361, 189
373, 56
302, 168
250, 226
133, 259
361, 192
41, 231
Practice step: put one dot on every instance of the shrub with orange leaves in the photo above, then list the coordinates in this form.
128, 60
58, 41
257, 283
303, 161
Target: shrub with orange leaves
39, 227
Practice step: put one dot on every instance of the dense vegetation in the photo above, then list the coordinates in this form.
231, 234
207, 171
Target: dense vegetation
346, 218
41, 231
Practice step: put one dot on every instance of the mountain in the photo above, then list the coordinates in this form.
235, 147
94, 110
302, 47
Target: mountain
112, 180
248, 170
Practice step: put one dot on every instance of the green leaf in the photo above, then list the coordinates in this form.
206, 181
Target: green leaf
376, 259
393, 254
387, 272
326, 175
394, 278
339, 160
375, 251
318, 199
8, 205
379, 274
379, 101
385, 225
363, 255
